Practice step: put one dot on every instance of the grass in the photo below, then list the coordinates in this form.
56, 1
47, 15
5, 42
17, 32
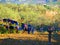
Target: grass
27, 39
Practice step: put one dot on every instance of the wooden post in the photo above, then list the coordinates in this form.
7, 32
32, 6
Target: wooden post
49, 38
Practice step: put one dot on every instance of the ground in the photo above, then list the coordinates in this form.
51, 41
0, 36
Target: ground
37, 38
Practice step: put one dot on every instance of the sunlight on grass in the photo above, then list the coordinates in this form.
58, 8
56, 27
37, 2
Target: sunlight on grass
26, 36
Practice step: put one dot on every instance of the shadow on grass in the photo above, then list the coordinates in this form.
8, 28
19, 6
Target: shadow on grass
57, 38
10, 41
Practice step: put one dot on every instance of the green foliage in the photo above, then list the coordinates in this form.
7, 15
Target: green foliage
6, 12
30, 12
2, 30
